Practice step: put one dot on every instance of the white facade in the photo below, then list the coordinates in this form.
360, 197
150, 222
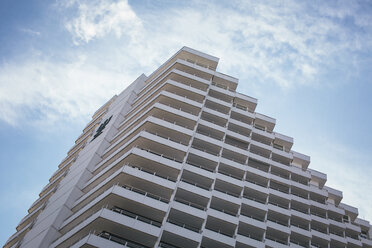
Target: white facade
180, 159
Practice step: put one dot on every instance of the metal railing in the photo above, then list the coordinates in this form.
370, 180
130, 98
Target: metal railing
145, 193
136, 216
151, 172
183, 225
200, 166
191, 204
120, 240
195, 184
224, 211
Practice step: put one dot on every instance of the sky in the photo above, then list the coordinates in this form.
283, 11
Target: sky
307, 62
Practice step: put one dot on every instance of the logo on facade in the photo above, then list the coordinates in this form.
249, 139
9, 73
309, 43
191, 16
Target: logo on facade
101, 127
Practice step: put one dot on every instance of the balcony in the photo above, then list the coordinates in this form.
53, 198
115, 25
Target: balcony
185, 220
191, 199
250, 233
297, 240
220, 95
245, 118
259, 149
196, 179
217, 238
206, 147
133, 199
195, 189
217, 105
175, 236
182, 231
210, 132
240, 127
130, 227
201, 162
234, 156
253, 212
279, 187
277, 237
205, 173
137, 179
231, 171
189, 208
222, 90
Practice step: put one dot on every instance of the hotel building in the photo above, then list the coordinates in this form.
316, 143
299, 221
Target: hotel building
181, 159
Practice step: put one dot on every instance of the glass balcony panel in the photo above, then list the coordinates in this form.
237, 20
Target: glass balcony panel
213, 119
258, 165
220, 96
242, 118
239, 129
193, 199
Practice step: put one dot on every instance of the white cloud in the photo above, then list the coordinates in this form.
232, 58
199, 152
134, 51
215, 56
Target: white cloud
29, 31
39, 91
96, 19
266, 43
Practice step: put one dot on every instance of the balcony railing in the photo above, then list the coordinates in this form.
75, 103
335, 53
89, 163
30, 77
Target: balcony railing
227, 192
337, 233
302, 196
167, 245
319, 230
251, 236
257, 183
195, 184
120, 240
204, 150
173, 122
300, 210
225, 211
278, 222
221, 232
254, 199
278, 205
151, 172
191, 204
136, 216
284, 242
230, 175
200, 166
142, 192
279, 189
301, 226
159, 154
303, 244
252, 217
183, 225
166, 137
209, 135
233, 159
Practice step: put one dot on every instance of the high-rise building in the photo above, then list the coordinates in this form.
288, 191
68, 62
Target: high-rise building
180, 159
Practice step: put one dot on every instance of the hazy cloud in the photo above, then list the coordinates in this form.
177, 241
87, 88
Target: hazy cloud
29, 31
287, 44
95, 19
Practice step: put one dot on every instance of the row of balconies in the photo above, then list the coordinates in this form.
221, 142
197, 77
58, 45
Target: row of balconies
195, 185
180, 220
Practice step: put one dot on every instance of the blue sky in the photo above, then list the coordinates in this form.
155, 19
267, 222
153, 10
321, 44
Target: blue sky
308, 63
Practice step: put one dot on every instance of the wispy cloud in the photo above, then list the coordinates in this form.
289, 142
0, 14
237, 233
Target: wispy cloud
95, 19
29, 31
286, 44
44, 92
